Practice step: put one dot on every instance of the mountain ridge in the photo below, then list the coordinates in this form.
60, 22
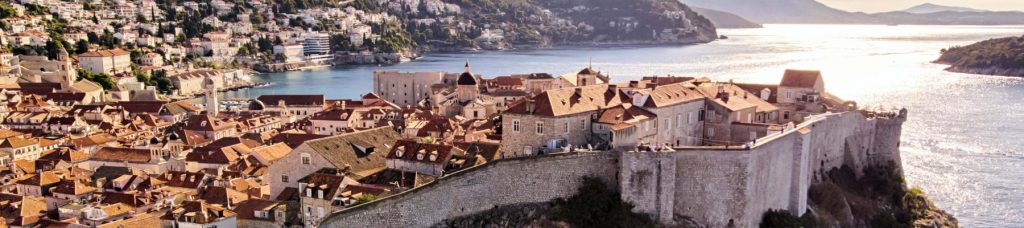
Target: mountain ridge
814, 12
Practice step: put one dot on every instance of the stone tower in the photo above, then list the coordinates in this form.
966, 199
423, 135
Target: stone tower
67, 69
212, 105
466, 87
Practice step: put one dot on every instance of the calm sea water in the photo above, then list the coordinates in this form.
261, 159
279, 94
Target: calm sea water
962, 144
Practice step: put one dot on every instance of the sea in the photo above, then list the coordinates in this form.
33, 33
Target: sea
963, 143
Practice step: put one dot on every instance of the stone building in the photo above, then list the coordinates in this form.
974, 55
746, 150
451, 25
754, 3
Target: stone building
358, 154
555, 118
113, 61
299, 106
405, 89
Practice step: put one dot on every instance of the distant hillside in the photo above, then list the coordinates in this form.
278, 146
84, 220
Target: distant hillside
554, 22
726, 20
781, 11
1004, 56
811, 12
933, 8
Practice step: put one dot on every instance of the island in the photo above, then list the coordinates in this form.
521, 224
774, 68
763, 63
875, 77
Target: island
1003, 56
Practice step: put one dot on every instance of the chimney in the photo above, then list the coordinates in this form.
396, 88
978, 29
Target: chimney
343, 105
530, 106
766, 94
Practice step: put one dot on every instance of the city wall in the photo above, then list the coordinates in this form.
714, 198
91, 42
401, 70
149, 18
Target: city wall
510, 181
713, 186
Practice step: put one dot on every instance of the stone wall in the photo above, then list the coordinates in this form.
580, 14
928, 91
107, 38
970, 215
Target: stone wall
505, 182
719, 187
713, 186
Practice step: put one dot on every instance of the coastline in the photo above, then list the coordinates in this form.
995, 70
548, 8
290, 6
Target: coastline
398, 58
990, 71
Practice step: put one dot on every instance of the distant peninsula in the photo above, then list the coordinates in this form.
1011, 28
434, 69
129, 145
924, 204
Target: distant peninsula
1002, 56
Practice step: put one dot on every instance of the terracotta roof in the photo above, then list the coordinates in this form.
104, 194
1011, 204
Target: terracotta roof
272, 152
658, 80
410, 150
41, 179
362, 151
142, 220
73, 187
120, 154
200, 211
104, 53
624, 114
568, 101
18, 142
293, 140
247, 209
733, 97
183, 179
756, 89
671, 94
800, 78
292, 100
327, 182
205, 123
333, 115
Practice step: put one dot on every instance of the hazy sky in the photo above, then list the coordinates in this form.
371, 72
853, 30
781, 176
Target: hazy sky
872, 6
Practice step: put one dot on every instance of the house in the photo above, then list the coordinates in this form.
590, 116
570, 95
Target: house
625, 126
111, 62
334, 121
318, 193
209, 127
800, 94
219, 154
198, 213
359, 154
544, 123
21, 210
300, 106
418, 157
94, 215
22, 148
261, 213
152, 161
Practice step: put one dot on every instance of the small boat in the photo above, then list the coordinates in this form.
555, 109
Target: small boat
723, 37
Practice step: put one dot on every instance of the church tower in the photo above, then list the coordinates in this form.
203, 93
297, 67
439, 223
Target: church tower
212, 105
67, 70
466, 87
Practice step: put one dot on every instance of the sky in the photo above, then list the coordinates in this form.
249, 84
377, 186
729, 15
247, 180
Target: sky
874, 6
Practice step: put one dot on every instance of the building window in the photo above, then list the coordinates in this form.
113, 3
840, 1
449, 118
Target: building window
284, 178
583, 124
689, 118
567, 128
305, 159
700, 116
540, 127
515, 126
711, 132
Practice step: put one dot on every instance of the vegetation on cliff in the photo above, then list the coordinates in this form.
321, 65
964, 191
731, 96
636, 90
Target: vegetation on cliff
878, 198
593, 205
1003, 56
538, 23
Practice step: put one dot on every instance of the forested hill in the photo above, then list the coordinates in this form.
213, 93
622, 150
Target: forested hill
1003, 56
469, 23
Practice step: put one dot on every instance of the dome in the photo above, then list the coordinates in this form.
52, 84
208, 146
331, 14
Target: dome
466, 78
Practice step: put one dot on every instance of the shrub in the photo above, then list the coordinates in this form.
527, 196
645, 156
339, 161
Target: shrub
596, 205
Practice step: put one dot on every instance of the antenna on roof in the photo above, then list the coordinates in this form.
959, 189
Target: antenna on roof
591, 62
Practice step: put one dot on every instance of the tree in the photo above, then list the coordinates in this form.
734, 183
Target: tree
365, 198
81, 47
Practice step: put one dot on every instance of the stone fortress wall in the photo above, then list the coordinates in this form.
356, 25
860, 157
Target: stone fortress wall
714, 186
511, 181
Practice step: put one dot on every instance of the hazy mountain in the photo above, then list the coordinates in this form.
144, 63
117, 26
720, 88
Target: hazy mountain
724, 19
781, 11
933, 8
811, 11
